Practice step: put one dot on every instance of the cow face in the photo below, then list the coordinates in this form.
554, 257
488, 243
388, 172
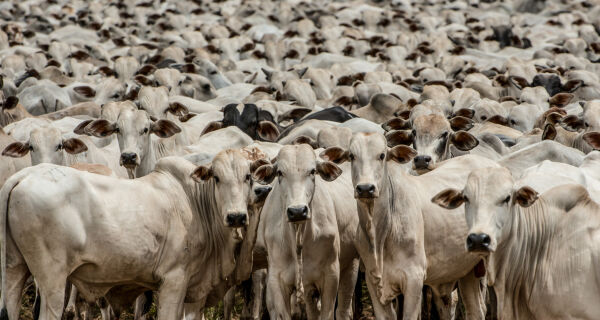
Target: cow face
488, 197
433, 136
133, 129
369, 154
45, 145
296, 169
231, 174
255, 123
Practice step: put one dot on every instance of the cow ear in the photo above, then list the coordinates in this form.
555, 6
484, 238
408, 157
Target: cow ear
268, 131
401, 154
212, 126
294, 114
16, 150
399, 137
463, 140
101, 128
335, 155
301, 72
461, 123
449, 199
257, 164
464, 112
177, 109
80, 129
554, 117
572, 85
187, 117
593, 139
10, 103
265, 173
164, 128
268, 74
85, 91
572, 123
498, 119
74, 146
329, 171
549, 132
306, 140
396, 124
561, 99
525, 196
201, 173
141, 80
518, 82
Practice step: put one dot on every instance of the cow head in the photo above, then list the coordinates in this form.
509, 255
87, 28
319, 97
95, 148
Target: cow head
133, 129
296, 168
369, 154
488, 197
254, 122
231, 174
45, 145
432, 136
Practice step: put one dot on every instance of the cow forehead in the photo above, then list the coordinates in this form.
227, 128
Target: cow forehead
230, 163
489, 182
299, 157
431, 124
133, 119
368, 143
47, 134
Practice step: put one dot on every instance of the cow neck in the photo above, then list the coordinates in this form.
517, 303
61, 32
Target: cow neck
244, 257
513, 267
147, 162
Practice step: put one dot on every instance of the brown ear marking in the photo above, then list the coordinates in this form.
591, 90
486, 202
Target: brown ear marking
101, 128
561, 99
525, 196
201, 173
164, 128
80, 129
257, 164
549, 132
335, 154
463, 140
85, 91
10, 103
449, 199
16, 150
265, 173
328, 171
212, 126
399, 137
401, 154
397, 123
74, 146
177, 109
461, 123
268, 131
593, 139
306, 140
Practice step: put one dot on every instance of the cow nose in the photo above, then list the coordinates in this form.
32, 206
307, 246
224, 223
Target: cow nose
236, 220
422, 162
262, 192
298, 213
478, 242
365, 190
128, 159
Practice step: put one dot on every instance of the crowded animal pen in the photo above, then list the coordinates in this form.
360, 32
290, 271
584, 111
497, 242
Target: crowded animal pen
299, 159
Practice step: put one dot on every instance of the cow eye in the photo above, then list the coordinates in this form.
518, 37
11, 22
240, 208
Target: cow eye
313, 172
465, 199
483, 118
351, 156
506, 200
382, 156
443, 135
115, 96
31, 148
279, 173
248, 177
206, 87
513, 122
58, 147
586, 124
213, 72
145, 131
216, 179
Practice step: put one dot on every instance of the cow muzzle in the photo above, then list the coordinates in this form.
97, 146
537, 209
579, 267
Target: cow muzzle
261, 193
422, 162
479, 242
236, 220
365, 191
129, 160
297, 213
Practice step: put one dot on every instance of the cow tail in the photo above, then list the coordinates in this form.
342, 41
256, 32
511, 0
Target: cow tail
4, 198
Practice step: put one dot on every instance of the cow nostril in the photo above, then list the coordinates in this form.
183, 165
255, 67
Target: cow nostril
299, 213
367, 190
470, 239
236, 219
128, 158
485, 239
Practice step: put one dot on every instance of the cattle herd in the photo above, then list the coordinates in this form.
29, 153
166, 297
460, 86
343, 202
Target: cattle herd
185, 153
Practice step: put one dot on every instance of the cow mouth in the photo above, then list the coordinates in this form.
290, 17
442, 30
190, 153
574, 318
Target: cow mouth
481, 251
365, 197
297, 220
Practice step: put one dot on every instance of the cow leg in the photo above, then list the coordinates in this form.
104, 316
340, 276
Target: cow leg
442, 296
382, 312
258, 292
311, 298
412, 297
276, 298
52, 291
16, 276
171, 295
105, 309
71, 309
229, 302
346, 290
473, 296
142, 305
329, 292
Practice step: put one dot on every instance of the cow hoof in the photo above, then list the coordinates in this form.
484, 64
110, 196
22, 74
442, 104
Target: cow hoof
69, 314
